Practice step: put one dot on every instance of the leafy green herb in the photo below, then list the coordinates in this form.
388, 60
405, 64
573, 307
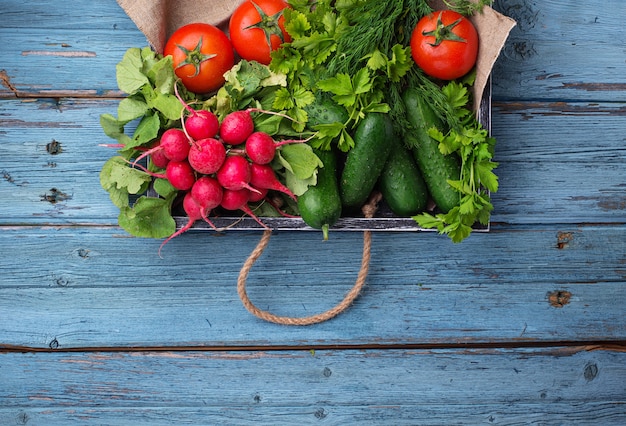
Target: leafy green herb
332, 132
467, 7
343, 49
396, 66
148, 80
355, 93
475, 149
149, 217
121, 181
248, 84
373, 25
293, 101
334, 41
301, 164
129, 74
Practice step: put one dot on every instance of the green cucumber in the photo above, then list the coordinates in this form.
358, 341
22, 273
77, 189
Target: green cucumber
320, 205
365, 161
436, 167
401, 183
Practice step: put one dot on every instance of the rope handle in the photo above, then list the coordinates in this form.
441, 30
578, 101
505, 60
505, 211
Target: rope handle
369, 209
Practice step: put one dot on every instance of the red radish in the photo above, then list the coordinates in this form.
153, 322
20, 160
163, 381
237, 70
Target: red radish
258, 195
193, 211
206, 156
180, 174
159, 159
260, 148
234, 199
263, 176
238, 200
201, 124
207, 192
236, 127
235, 173
173, 143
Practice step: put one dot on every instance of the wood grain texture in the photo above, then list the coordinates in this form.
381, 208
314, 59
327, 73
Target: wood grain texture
553, 52
49, 51
94, 287
436, 387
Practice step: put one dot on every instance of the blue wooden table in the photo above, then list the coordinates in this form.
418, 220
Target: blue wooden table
524, 324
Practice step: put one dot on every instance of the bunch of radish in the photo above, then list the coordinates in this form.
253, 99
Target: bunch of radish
216, 165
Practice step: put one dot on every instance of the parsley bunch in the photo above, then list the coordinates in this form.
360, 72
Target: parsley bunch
475, 149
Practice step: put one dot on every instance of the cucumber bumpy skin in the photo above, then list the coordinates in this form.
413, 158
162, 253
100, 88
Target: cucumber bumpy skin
365, 161
320, 205
401, 183
436, 167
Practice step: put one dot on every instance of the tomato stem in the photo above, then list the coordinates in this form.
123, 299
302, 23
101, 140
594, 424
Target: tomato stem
444, 32
269, 25
194, 57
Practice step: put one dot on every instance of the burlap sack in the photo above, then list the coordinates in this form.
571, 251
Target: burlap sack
157, 19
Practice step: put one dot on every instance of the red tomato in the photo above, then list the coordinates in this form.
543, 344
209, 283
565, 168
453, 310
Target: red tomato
445, 45
201, 54
257, 27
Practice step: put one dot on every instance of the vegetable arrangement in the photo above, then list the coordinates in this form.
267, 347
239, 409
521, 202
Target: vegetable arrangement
303, 110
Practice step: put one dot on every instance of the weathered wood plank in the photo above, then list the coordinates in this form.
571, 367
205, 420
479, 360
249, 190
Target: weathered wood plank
88, 287
71, 47
70, 15
51, 161
554, 165
595, 21
541, 60
400, 387
552, 53
545, 150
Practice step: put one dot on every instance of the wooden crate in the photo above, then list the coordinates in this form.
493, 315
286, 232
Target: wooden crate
385, 219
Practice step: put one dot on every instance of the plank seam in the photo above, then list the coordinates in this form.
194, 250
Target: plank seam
576, 346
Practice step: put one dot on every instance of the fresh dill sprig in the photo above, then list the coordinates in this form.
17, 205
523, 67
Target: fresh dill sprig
373, 25
467, 7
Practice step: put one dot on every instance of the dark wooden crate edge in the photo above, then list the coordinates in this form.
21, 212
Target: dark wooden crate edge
245, 223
